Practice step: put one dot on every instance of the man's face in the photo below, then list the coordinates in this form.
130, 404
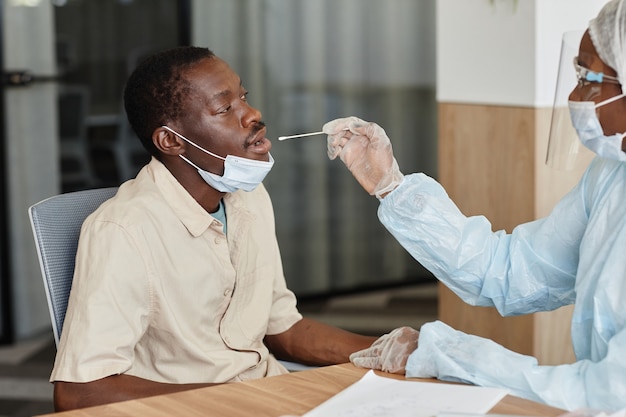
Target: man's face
218, 118
611, 115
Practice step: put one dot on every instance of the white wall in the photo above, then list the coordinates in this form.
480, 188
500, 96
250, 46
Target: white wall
504, 52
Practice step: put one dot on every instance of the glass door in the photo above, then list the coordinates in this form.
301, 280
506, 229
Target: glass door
62, 128
29, 166
6, 331
98, 44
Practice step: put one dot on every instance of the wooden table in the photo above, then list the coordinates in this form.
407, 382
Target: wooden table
295, 394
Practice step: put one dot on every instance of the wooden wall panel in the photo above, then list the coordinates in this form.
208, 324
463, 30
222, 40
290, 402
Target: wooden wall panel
486, 161
490, 158
485, 165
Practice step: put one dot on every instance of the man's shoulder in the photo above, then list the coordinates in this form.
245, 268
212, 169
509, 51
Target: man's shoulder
133, 202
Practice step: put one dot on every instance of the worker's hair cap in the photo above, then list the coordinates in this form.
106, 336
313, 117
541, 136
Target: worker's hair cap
608, 34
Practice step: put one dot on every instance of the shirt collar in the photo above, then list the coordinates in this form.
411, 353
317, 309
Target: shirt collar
193, 216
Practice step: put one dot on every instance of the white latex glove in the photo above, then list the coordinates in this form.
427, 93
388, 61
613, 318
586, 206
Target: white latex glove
366, 150
389, 352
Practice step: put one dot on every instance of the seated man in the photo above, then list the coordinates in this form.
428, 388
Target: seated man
178, 281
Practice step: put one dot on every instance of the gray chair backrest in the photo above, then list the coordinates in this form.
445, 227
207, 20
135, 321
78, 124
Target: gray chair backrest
56, 223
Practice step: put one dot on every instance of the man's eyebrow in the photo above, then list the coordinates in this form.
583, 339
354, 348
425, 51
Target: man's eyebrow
217, 96
223, 93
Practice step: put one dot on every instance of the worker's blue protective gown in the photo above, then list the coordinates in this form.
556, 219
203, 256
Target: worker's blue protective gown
575, 255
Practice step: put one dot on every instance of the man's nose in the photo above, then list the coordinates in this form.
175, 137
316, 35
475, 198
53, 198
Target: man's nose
251, 115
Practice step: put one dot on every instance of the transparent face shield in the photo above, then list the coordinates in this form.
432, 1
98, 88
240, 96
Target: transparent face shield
565, 151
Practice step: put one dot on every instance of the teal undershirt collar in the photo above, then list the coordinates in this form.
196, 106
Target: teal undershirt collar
220, 214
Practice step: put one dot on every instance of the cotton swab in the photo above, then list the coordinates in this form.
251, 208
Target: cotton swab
300, 135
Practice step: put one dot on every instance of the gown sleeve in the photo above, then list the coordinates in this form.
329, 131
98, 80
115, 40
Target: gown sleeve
451, 355
531, 269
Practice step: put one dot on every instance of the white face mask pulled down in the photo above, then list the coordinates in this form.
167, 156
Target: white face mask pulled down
589, 130
239, 173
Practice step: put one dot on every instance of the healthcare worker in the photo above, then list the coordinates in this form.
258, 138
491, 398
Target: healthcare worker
576, 255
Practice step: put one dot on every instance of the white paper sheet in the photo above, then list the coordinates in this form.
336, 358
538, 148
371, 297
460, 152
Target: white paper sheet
375, 396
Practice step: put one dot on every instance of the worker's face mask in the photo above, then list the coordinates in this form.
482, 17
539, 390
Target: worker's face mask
239, 173
585, 121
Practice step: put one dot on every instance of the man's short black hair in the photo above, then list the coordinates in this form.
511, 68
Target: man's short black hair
157, 89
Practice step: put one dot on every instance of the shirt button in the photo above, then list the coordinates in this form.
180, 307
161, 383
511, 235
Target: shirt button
218, 240
227, 293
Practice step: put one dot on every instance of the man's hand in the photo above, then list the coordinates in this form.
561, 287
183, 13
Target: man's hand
389, 352
366, 150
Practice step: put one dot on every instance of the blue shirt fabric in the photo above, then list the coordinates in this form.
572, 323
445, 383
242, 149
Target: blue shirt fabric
577, 255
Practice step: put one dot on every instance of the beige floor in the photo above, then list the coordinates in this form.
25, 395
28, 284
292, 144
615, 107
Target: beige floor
24, 371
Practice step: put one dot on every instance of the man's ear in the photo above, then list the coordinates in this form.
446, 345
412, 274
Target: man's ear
167, 142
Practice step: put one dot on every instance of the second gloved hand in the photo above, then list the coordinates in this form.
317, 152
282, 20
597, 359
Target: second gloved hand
366, 150
389, 352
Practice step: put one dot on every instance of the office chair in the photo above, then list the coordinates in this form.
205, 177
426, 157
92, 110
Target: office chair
56, 223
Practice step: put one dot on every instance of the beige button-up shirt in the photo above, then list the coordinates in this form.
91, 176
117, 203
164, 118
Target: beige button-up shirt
161, 293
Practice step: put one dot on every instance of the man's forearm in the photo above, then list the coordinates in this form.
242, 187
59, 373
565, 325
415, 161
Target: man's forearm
71, 395
314, 343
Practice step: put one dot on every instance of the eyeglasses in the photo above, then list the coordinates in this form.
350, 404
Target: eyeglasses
586, 76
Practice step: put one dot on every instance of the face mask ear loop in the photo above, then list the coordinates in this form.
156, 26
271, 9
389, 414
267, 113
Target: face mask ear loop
610, 100
193, 144
189, 162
